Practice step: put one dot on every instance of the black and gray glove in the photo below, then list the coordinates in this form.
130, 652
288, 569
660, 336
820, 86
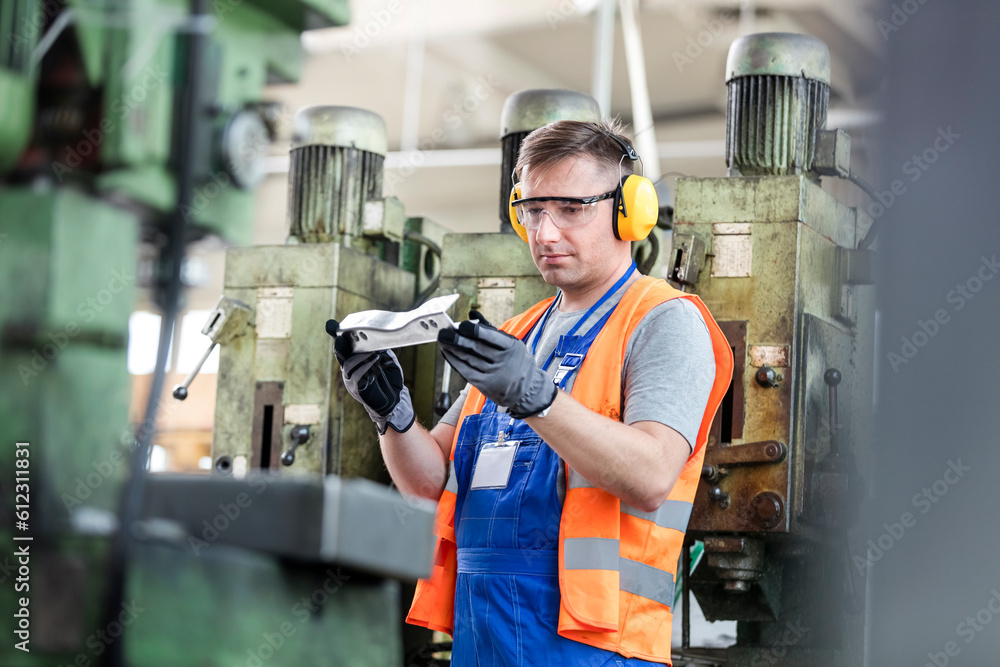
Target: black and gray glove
375, 379
498, 365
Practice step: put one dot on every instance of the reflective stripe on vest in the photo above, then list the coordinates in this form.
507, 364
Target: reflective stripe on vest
595, 553
671, 514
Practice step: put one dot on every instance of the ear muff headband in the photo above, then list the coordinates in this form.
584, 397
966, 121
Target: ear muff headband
638, 207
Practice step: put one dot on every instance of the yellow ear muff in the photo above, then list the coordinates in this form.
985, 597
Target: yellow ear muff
515, 193
638, 208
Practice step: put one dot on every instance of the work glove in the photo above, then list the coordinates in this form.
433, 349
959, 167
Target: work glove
498, 365
374, 379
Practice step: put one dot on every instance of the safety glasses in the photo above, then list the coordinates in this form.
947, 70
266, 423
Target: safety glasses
565, 212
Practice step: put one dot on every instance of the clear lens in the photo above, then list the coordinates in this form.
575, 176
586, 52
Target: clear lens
563, 214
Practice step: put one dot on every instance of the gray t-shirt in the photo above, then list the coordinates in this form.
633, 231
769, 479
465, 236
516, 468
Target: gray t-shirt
668, 370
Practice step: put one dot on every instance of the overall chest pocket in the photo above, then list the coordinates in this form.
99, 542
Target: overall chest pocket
489, 517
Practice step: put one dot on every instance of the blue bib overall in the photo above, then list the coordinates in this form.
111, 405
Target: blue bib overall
507, 591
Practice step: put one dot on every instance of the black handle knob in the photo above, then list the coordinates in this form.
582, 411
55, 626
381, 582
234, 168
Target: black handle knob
299, 435
766, 377
180, 392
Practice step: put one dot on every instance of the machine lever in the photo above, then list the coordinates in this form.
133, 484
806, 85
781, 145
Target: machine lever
832, 378
228, 320
300, 435
181, 390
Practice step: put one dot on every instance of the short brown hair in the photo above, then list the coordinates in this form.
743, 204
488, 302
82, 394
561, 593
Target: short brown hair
555, 142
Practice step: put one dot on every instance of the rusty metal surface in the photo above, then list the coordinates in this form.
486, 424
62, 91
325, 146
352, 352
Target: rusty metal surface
796, 230
770, 355
751, 453
733, 404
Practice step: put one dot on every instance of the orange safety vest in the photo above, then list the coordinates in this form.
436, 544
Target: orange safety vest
616, 563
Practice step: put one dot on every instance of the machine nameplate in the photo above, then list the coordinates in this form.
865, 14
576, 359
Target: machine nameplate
731, 247
496, 298
274, 312
308, 413
769, 355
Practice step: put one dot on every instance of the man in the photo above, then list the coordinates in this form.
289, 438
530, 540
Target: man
564, 497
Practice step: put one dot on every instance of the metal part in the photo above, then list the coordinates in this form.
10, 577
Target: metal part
753, 453
346, 127
384, 218
737, 558
527, 110
421, 255
838, 488
768, 508
735, 578
496, 297
299, 435
766, 377
833, 153
779, 54
770, 355
335, 168
715, 494
832, 378
381, 330
778, 91
732, 250
180, 391
688, 259
229, 319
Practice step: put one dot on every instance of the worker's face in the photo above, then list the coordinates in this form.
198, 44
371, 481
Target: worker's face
575, 258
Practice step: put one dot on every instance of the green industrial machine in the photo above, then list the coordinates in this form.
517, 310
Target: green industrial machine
120, 119
280, 394
777, 260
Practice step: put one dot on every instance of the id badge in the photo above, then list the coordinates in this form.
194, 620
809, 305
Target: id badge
494, 465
